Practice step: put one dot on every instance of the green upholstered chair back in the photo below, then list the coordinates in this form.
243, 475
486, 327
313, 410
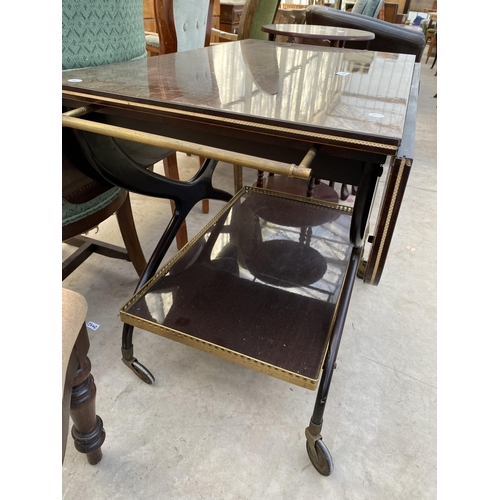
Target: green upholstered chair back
264, 14
98, 32
95, 33
255, 14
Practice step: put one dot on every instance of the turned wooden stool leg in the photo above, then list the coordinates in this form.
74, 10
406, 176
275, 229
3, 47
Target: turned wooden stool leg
88, 432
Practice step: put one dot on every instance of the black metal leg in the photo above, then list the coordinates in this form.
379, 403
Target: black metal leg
154, 262
316, 449
200, 190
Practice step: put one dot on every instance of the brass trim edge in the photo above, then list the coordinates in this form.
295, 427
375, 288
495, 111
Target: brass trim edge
223, 352
209, 347
181, 252
235, 121
388, 220
216, 217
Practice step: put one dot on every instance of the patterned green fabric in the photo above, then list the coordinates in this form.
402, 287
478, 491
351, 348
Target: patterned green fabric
72, 213
97, 32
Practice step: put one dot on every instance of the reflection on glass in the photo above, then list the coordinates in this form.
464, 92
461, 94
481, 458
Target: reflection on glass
348, 85
303, 85
262, 279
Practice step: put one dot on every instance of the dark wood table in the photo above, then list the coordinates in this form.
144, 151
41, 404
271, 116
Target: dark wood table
334, 35
272, 100
267, 282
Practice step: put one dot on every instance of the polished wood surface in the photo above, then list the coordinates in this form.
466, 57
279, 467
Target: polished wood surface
356, 95
270, 100
313, 32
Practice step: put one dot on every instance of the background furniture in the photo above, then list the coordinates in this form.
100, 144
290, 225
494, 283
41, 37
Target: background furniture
87, 29
254, 14
183, 25
87, 198
388, 36
391, 12
215, 20
151, 31
431, 39
230, 16
369, 8
307, 33
289, 15
85, 204
78, 387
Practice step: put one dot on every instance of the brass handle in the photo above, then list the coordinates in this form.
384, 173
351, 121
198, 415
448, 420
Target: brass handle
71, 120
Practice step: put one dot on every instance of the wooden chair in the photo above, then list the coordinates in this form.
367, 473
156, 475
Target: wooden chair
182, 25
289, 15
78, 387
85, 26
86, 203
431, 40
152, 43
255, 14
150, 31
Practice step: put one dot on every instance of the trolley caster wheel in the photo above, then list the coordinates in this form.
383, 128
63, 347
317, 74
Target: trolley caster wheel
142, 372
360, 273
320, 457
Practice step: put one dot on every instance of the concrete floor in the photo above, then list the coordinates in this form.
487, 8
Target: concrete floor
211, 429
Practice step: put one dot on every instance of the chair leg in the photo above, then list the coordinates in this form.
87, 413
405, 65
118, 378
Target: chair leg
129, 235
87, 431
238, 177
431, 47
205, 208
344, 192
172, 170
